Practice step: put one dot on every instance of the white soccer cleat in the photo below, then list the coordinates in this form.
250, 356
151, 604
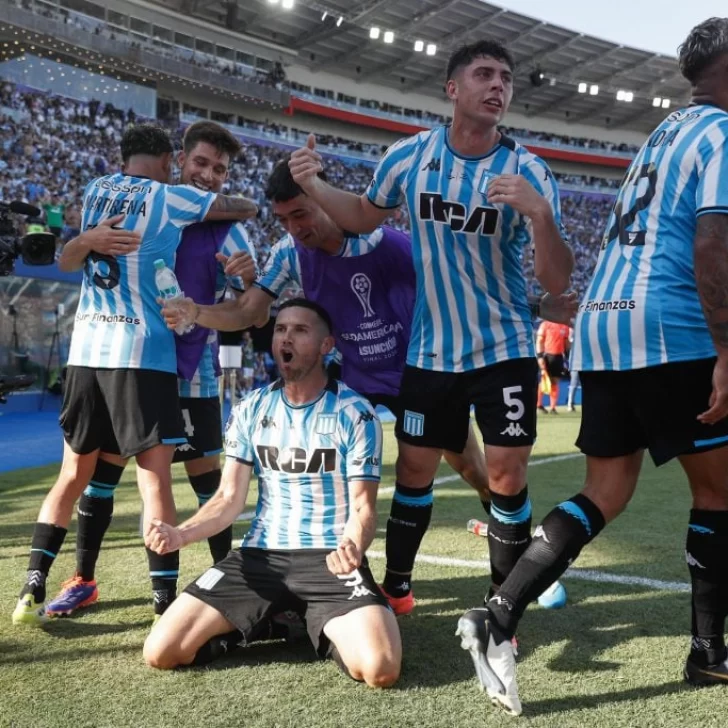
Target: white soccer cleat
493, 656
554, 597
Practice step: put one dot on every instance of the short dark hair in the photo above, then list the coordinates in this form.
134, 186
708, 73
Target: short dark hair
704, 44
317, 308
211, 133
466, 54
148, 139
281, 187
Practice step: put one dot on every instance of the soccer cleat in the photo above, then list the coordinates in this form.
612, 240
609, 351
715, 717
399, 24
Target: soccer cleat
400, 605
493, 656
29, 612
704, 675
554, 597
75, 593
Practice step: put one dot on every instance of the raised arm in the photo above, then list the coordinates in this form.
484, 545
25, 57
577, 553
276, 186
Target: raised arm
349, 211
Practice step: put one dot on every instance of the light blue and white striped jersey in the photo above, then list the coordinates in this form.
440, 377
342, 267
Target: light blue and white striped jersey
305, 458
204, 383
284, 266
642, 307
471, 309
118, 322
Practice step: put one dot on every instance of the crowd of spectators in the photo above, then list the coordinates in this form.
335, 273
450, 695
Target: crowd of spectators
54, 146
276, 76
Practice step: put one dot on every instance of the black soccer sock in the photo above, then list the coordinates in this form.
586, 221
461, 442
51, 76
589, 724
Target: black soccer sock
509, 532
556, 544
408, 521
94, 516
705, 552
216, 647
164, 572
46, 543
205, 486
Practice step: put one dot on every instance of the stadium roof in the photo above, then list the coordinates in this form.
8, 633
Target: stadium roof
566, 58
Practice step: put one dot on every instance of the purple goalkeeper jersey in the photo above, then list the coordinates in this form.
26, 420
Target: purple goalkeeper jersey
368, 290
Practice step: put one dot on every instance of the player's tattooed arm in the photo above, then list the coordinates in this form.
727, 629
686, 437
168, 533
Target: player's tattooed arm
711, 275
231, 208
710, 259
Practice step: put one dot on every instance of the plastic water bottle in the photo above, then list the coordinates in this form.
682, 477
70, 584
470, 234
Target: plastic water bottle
168, 288
477, 527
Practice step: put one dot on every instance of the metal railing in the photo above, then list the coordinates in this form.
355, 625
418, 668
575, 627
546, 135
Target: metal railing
143, 59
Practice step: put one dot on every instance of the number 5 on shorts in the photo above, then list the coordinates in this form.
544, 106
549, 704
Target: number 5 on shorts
514, 404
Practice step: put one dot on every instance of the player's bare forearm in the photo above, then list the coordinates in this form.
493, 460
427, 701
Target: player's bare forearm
223, 508
74, 254
711, 275
252, 308
231, 208
349, 211
361, 525
553, 258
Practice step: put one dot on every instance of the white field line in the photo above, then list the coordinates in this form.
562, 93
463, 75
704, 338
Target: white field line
455, 476
482, 566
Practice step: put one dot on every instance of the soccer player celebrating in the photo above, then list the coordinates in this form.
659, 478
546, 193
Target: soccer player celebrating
121, 389
208, 149
653, 321
475, 198
368, 283
317, 447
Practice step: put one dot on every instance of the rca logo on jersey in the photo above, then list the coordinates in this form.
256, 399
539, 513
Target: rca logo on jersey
296, 459
482, 220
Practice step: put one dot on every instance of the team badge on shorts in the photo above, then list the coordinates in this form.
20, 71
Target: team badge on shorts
414, 423
326, 424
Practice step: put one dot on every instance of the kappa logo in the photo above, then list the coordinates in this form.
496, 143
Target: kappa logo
356, 582
432, 166
540, 533
514, 429
184, 447
692, 561
366, 417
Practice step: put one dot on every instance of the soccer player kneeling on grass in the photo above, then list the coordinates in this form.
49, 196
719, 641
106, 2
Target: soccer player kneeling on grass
316, 446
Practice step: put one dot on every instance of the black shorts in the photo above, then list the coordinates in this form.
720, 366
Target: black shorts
653, 408
121, 411
203, 427
436, 405
252, 584
554, 365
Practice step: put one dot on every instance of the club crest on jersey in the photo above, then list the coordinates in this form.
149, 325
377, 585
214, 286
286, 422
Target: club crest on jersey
326, 424
362, 287
482, 220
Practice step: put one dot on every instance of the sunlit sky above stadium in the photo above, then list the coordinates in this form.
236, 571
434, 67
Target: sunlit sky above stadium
651, 25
